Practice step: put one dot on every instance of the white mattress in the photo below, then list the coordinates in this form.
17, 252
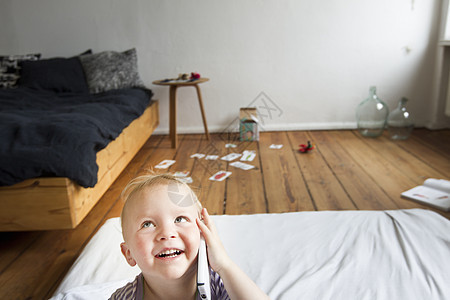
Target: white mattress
402, 254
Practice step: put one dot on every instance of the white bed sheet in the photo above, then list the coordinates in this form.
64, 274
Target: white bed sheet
401, 254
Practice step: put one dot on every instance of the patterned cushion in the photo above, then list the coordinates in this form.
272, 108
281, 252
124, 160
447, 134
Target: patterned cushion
110, 70
10, 68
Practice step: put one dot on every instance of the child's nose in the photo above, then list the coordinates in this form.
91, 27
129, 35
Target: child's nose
166, 232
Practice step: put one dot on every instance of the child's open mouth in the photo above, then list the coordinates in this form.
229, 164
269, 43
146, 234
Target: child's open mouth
169, 253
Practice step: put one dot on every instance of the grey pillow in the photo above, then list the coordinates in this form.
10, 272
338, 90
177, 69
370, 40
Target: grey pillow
110, 70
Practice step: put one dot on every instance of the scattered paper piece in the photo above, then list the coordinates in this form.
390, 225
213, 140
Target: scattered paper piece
220, 176
248, 155
240, 165
211, 157
231, 156
197, 155
165, 164
230, 145
275, 146
181, 173
186, 179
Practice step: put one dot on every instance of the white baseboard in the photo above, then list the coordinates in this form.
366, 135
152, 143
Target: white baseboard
293, 127
271, 127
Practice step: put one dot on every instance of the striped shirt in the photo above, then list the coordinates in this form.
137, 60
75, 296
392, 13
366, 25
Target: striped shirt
135, 290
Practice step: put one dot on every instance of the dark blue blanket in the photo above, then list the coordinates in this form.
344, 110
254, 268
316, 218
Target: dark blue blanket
47, 134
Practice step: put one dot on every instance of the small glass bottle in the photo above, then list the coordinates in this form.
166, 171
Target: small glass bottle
400, 123
371, 115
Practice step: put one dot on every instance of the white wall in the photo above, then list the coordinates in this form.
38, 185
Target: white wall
315, 60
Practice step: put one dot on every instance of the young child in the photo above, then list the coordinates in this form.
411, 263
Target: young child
161, 226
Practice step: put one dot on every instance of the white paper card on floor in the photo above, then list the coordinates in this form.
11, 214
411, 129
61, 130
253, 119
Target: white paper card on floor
248, 155
211, 157
165, 164
241, 165
181, 173
220, 176
231, 156
230, 145
275, 146
186, 179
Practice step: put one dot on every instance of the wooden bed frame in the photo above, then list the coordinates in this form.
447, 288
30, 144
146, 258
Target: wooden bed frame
60, 203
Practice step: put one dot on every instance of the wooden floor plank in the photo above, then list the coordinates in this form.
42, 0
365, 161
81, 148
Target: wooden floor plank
351, 176
162, 152
325, 189
245, 188
212, 194
387, 176
427, 154
383, 173
405, 162
438, 140
284, 183
13, 244
188, 145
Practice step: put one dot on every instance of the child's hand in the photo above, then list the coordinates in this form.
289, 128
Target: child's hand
237, 283
217, 255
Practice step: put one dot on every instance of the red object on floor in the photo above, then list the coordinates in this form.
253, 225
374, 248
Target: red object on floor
306, 148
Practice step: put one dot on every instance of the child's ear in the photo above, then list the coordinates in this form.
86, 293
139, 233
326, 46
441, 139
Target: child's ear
127, 253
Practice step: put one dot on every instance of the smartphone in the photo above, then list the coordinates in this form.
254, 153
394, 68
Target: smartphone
203, 280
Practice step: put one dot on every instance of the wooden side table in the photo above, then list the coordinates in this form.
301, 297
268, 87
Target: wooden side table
173, 104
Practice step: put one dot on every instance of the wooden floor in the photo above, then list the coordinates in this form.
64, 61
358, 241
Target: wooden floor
344, 172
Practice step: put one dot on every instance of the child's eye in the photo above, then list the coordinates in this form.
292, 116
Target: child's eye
181, 219
147, 224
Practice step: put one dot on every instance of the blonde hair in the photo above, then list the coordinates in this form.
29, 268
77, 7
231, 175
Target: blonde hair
138, 184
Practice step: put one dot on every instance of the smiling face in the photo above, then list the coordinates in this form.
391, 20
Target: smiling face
161, 236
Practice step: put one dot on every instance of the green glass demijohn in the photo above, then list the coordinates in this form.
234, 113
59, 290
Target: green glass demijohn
371, 115
400, 123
